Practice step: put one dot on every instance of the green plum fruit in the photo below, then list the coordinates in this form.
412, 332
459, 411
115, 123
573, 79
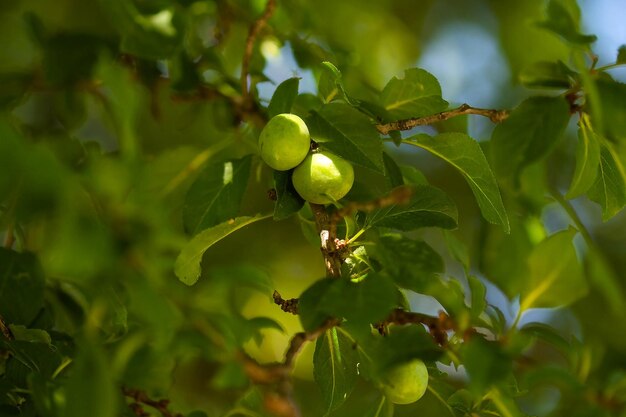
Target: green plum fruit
284, 142
323, 178
406, 383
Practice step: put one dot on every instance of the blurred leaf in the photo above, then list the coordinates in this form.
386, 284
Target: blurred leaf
30, 335
479, 292
417, 94
215, 196
602, 277
486, 362
528, 134
392, 171
412, 264
288, 201
612, 100
283, 97
70, 58
458, 250
556, 277
546, 74
464, 154
427, 207
13, 89
548, 334
587, 163
187, 267
21, 287
90, 388
412, 175
609, 188
621, 55
348, 133
29, 358
561, 21
335, 363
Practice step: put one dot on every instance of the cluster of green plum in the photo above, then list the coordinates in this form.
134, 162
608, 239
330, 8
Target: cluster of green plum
319, 177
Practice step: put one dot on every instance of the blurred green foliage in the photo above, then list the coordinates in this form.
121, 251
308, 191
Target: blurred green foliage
129, 172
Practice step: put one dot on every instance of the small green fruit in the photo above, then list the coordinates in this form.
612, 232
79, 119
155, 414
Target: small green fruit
406, 383
323, 178
284, 141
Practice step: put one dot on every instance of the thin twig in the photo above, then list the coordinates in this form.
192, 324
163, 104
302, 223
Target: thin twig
140, 397
252, 35
437, 326
5, 330
495, 116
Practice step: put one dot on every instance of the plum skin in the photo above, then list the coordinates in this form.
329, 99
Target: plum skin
406, 383
284, 142
323, 178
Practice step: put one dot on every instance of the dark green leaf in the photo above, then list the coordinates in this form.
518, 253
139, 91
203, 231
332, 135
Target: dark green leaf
392, 171
216, 194
13, 89
465, 155
21, 287
403, 344
556, 277
90, 389
288, 201
621, 55
609, 188
428, 207
530, 133
417, 94
187, 266
546, 74
562, 22
348, 133
335, 369
283, 97
587, 163
30, 335
70, 58
311, 311
412, 264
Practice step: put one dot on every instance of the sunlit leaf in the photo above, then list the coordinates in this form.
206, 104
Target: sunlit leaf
417, 94
284, 97
465, 155
187, 267
335, 364
609, 188
587, 163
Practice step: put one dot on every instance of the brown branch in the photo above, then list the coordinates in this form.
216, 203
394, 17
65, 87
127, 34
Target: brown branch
328, 240
278, 398
288, 306
496, 116
252, 35
437, 326
140, 397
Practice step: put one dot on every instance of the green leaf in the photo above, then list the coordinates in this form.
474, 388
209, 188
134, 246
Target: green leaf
288, 201
479, 301
21, 287
602, 277
612, 100
587, 163
528, 134
464, 154
30, 335
412, 264
556, 277
90, 389
335, 369
561, 21
330, 86
609, 188
187, 266
348, 133
284, 97
215, 196
486, 362
371, 300
428, 207
545, 74
621, 55
403, 344
417, 94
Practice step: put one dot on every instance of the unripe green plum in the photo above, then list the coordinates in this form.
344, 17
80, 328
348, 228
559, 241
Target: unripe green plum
323, 178
284, 142
406, 383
